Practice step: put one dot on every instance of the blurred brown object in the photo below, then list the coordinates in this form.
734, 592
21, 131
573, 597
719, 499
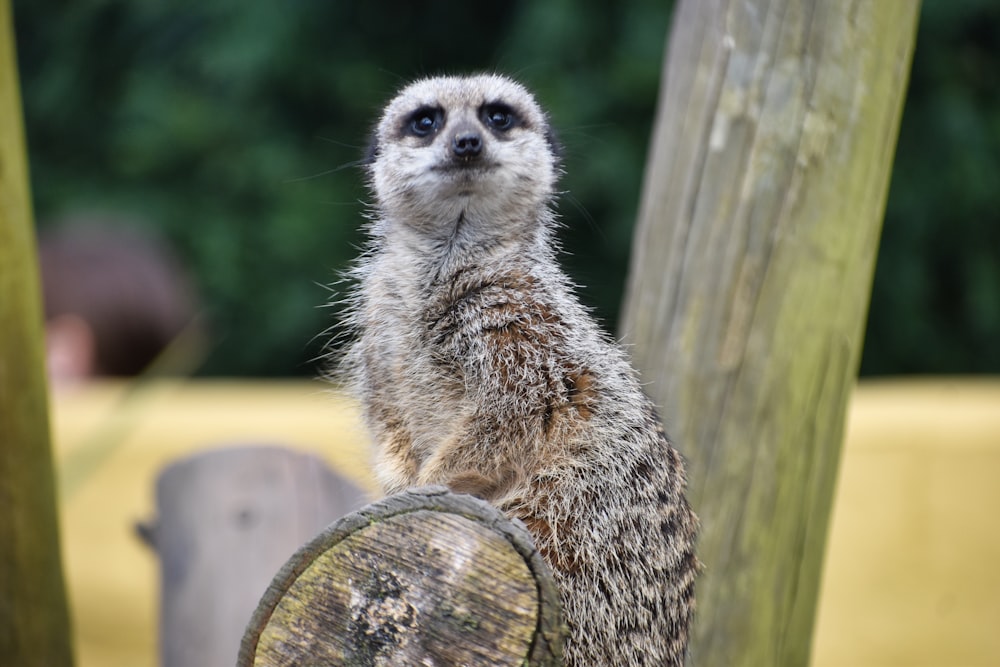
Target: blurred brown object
114, 298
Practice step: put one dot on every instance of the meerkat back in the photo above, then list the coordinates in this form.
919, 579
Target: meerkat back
477, 368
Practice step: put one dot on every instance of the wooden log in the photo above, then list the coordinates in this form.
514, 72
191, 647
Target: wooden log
34, 619
425, 577
751, 274
226, 521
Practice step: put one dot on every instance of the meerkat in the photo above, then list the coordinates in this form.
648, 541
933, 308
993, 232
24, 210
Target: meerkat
477, 368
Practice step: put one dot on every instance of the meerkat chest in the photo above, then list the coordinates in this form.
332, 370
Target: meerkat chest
424, 394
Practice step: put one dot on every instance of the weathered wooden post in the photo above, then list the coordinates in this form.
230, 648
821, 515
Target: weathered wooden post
423, 577
751, 272
34, 620
226, 520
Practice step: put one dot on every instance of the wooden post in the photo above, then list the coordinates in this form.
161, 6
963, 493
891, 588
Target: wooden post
425, 577
226, 521
751, 273
34, 620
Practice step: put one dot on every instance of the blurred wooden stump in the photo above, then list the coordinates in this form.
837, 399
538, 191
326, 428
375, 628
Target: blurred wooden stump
227, 520
423, 577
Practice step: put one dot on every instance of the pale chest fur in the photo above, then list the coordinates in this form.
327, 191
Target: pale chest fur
409, 389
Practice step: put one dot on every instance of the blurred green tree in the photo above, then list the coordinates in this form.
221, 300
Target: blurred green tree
225, 125
936, 298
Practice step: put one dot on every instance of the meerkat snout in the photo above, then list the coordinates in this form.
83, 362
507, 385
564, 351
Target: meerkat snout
467, 143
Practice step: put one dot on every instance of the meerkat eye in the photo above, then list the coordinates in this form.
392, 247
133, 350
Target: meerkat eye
500, 117
425, 121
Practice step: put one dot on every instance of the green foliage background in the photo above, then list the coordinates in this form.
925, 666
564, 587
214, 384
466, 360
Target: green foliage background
225, 125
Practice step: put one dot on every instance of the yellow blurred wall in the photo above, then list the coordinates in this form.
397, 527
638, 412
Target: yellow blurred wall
911, 573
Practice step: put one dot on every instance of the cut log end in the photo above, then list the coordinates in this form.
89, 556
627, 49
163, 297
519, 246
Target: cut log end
423, 577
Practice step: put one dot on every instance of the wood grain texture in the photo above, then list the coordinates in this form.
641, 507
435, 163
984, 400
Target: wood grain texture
751, 274
423, 577
34, 623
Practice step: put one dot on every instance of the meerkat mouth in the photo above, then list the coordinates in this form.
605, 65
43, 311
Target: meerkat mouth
462, 167
465, 179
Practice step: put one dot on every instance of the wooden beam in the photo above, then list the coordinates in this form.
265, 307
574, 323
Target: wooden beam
751, 274
34, 621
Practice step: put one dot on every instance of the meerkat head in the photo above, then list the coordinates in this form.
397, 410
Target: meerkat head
469, 157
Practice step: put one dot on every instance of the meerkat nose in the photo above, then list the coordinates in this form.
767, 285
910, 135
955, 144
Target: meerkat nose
467, 144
